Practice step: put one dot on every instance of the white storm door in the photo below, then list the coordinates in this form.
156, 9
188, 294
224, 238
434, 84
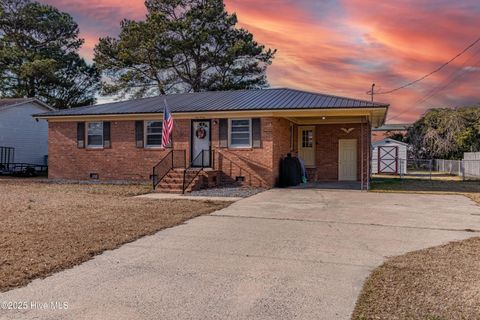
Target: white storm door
201, 134
347, 160
306, 145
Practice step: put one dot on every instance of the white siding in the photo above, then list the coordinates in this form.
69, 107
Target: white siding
402, 155
19, 130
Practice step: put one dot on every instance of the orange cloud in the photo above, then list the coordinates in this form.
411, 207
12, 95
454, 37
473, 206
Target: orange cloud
343, 46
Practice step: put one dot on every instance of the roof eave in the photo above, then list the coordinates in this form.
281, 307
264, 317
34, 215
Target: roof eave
195, 114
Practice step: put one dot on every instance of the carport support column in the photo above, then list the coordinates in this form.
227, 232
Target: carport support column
361, 157
369, 142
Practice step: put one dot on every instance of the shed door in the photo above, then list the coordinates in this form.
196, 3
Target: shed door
347, 160
387, 159
306, 145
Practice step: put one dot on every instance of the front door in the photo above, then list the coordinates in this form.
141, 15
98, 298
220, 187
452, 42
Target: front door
306, 145
347, 160
201, 139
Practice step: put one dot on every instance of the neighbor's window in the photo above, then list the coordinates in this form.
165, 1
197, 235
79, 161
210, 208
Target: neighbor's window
153, 134
95, 134
240, 133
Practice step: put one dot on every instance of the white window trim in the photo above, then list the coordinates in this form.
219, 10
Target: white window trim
243, 146
146, 145
86, 136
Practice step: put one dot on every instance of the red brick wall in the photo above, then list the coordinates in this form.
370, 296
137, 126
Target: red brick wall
126, 162
281, 145
259, 166
121, 162
254, 164
327, 149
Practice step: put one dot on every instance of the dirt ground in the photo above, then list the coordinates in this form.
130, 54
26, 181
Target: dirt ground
439, 283
49, 227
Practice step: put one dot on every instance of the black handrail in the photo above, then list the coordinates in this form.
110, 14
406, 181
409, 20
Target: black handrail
196, 167
173, 159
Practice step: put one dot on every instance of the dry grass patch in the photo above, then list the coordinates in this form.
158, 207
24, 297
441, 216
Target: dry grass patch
436, 283
49, 227
439, 283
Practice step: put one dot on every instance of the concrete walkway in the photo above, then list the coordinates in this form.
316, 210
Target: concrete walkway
282, 254
174, 196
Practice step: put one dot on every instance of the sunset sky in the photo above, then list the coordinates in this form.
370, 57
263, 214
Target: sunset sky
342, 47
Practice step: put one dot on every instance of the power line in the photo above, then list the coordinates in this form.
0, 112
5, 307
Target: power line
428, 96
434, 71
447, 82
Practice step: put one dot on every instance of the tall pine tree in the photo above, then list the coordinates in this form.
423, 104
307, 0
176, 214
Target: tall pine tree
182, 46
38, 56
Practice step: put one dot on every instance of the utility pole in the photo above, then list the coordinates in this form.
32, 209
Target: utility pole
372, 92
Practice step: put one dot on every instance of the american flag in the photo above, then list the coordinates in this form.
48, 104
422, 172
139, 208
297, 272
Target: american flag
167, 127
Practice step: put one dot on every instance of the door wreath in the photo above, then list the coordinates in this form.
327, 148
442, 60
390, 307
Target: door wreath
201, 133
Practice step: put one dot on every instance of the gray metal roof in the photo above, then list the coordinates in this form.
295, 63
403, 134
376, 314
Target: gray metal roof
11, 102
241, 100
387, 141
7, 102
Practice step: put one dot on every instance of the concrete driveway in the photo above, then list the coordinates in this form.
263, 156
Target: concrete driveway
282, 254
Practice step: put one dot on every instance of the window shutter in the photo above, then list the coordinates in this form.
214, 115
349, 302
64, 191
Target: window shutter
107, 143
139, 134
256, 133
223, 133
81, 134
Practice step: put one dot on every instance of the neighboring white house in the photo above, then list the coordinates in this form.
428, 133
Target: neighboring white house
389, 156
18, 129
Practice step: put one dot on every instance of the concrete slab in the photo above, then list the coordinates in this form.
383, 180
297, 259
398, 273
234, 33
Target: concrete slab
282, 254
170, 196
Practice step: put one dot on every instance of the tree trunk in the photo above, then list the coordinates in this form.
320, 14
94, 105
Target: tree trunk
31, 88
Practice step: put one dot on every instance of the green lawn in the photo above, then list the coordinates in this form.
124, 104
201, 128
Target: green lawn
438, 185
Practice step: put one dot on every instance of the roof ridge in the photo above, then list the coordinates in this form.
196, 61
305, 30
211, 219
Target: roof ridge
337, 96
170, 94
238, 90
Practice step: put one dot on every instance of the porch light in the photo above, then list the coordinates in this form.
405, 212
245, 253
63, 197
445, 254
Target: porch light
323, 118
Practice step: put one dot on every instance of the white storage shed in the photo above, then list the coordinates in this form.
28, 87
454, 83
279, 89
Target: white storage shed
389, 157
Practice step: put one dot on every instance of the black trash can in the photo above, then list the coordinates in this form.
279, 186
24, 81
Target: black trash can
290, 172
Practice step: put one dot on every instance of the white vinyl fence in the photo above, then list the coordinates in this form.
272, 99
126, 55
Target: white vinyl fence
468, 168
471, 165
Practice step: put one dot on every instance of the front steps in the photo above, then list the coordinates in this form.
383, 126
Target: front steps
173, 181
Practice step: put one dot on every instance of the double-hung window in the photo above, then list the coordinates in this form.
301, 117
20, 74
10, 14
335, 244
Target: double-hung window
153, 134
240, 133
95, 134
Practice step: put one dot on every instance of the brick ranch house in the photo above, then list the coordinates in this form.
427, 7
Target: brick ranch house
218, 137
